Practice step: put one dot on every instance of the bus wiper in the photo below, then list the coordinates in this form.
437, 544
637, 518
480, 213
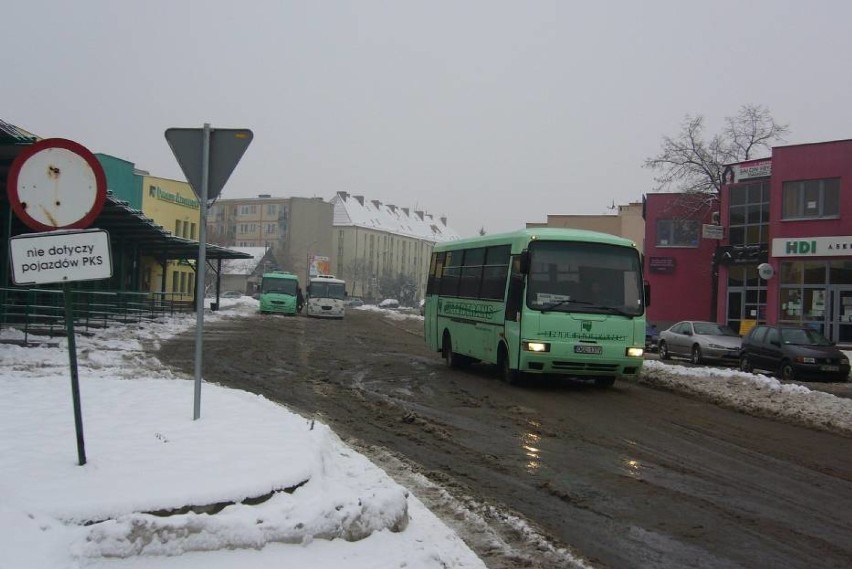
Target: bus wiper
551, 305
610, 309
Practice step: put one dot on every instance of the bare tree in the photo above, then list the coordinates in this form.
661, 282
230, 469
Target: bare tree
688, 163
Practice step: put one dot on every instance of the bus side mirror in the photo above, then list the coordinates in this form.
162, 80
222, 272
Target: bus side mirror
525, 262
647, 287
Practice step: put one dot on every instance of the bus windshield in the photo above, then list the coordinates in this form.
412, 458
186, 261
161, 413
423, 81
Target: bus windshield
280, 286
321, 289
567, 276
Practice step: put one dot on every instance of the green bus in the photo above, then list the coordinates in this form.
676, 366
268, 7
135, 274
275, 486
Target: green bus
279, 292
539, 302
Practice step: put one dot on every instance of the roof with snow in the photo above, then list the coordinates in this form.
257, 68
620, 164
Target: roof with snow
243, 266
357, 211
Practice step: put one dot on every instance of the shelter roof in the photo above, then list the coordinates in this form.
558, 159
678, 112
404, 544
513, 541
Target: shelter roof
126, 223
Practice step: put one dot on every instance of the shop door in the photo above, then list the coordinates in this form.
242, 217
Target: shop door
735, 309
840, 327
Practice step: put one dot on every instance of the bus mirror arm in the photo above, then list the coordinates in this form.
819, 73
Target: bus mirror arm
525, 262
647, 287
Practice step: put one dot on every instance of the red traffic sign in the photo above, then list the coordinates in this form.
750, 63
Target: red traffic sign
227, 146
56, 184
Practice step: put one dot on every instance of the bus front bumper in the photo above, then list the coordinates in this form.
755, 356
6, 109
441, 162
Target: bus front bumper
563, 360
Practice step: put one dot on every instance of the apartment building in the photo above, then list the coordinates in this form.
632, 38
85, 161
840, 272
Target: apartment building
383, 249
298, 230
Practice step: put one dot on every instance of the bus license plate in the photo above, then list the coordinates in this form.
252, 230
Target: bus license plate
588, 349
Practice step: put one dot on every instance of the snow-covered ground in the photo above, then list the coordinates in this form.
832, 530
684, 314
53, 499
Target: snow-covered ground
291, 493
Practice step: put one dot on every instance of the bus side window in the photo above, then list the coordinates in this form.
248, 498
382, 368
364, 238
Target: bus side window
515, 292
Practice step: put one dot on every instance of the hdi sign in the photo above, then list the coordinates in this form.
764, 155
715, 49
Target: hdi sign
60, 256
812, 247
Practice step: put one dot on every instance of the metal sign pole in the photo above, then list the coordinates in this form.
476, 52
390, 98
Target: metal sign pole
75, 383
221, 149
201, 268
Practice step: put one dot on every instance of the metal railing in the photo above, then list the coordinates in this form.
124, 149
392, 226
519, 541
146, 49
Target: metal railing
41, 312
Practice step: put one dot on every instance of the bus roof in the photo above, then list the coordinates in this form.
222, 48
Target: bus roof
327, 279
523, 236
280, 275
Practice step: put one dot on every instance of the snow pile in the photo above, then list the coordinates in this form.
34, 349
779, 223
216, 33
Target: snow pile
753, 393
249, 484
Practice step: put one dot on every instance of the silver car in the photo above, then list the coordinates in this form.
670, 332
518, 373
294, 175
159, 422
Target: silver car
700, 341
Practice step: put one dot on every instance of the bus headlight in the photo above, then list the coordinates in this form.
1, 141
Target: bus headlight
635, 352
536, 346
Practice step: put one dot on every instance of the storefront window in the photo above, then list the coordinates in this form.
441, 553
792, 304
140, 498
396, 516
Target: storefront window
791, 304
814, 272
840, 272
814, 304
806, 290
791, 273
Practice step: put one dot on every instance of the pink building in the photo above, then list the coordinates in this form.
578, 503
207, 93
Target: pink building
788, 220
678, 258
779, 249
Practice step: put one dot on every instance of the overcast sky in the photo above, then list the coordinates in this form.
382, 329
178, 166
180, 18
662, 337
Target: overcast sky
492, 113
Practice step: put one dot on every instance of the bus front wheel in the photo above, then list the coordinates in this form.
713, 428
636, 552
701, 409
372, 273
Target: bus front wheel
504, 367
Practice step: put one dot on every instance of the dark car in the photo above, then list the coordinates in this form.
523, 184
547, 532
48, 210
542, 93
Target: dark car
652, 338
793, 352
700, 341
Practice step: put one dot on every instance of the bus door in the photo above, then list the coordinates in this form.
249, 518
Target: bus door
515, 293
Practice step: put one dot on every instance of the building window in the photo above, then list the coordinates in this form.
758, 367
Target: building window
175, 282
749, 214
178, 224
808, 199
192, 231
271, 209
270, 228
678, 232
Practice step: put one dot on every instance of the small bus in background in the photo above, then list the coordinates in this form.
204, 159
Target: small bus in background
280, 293
539, 301
326, 297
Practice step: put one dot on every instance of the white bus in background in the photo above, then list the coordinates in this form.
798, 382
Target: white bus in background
325, 297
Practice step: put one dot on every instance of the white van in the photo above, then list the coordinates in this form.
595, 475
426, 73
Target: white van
326, 297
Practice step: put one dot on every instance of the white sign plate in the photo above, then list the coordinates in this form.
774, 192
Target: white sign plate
712, 231
60, 256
